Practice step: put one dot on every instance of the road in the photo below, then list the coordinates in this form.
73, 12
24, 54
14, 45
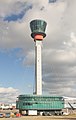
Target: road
42, 118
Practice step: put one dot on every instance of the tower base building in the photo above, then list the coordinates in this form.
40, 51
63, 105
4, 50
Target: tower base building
39, 104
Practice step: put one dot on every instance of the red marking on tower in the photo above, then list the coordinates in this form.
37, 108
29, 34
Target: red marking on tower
38, 37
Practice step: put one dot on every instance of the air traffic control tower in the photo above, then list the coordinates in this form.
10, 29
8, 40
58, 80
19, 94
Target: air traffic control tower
38, 103
38, 33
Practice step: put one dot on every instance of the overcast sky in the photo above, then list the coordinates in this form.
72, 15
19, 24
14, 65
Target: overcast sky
17, 47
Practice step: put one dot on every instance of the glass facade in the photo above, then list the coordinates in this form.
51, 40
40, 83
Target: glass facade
38, 27
26, 102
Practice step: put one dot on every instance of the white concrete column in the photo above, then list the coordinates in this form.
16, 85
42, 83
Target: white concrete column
38, 68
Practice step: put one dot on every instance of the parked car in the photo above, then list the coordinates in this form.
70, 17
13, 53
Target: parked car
1, 115
7, 115
18, 115
12, 114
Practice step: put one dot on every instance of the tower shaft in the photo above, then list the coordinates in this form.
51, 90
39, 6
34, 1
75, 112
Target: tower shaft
38, 33
38, 68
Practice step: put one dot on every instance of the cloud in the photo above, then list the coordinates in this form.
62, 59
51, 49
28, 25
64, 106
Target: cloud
29, 59
59, 46
8, 95
20, 8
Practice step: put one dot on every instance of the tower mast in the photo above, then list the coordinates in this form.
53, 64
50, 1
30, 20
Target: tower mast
38, 33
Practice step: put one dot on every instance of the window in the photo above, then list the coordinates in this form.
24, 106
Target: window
27, 104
